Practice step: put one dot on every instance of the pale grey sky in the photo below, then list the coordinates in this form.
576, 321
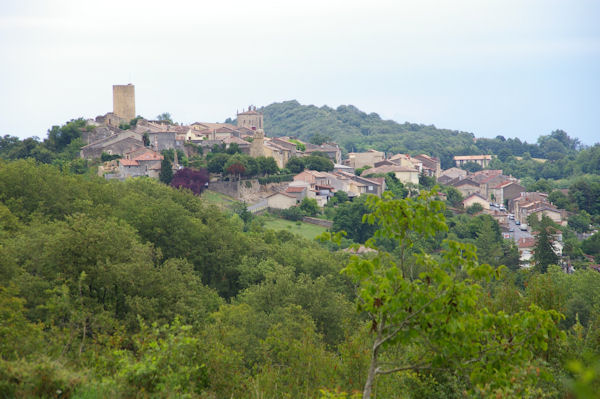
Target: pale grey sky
516, 68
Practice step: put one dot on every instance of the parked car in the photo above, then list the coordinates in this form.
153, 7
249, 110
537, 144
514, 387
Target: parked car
511, 230
517, 223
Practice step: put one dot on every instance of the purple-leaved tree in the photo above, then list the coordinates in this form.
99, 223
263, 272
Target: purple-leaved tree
192, 179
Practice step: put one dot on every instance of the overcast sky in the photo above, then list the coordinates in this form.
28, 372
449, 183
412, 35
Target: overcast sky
517, 68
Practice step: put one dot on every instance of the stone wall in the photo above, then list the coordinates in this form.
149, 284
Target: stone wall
319, 222
230, 188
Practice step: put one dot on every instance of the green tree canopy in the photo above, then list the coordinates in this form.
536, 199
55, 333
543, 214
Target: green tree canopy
424, 316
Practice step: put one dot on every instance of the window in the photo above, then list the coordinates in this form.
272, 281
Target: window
370, 188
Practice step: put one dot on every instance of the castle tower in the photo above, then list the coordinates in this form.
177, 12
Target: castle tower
124, 101
250, 119
256, 147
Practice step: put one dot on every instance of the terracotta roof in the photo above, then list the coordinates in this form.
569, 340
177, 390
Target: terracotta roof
504, 184
128, 162
324, 186
149, 156
526, 242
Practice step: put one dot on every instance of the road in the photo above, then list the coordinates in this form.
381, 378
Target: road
517, 233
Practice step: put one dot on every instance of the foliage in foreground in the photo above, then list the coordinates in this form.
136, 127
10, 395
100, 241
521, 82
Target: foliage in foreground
137, 289
432, 304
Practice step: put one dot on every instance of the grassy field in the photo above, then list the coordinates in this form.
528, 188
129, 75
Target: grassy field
306, 230
222, 201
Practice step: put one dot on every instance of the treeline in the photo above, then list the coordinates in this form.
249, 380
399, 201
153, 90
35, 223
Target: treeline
60, 148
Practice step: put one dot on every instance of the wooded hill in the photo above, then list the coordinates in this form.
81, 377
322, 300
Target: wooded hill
355, 130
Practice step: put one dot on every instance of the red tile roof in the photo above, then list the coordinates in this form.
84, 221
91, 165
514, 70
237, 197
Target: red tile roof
149, 156
526, 242
128, 162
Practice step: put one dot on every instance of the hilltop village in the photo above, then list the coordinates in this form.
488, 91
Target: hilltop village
274, 270
136, 146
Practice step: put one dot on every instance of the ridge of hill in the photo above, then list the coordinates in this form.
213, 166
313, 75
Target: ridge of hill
355, 130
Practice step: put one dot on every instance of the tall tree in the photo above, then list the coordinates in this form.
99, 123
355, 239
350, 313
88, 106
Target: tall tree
437, 317
166, 171
544, 253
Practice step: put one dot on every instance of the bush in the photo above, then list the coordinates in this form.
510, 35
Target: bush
475, 208
40, 379
294, 213
310, 206
105, 157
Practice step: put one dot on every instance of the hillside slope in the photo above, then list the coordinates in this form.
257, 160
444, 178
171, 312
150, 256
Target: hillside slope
355, 130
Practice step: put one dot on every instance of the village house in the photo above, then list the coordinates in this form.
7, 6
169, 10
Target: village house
506, 191
482, 160
359, 185
466, 186
331, 150
406, 161
529, 203
281, 200
117, 144
432, 166
300, 192
358, 160
451, 174
147, 163
546, 209
476, 198
526, 246
404, 174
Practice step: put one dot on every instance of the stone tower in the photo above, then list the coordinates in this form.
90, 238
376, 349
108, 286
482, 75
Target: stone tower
250, 119
256, 147
124, 101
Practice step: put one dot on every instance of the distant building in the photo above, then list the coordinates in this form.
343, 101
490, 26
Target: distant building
506, 191
124, 101
482, 160
358, 160
146, 164
466, 186
432, 166
250, 119
405, 174
476, 198
117, 144
281, 200
451, 174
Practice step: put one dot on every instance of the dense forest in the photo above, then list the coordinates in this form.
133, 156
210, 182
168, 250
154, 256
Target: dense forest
137, 289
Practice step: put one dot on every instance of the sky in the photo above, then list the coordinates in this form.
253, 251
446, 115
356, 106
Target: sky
513, 68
